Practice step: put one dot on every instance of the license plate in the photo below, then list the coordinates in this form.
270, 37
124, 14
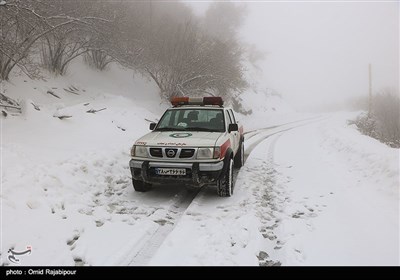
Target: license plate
170, 171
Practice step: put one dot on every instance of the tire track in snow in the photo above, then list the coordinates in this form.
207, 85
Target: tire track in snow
151, 244
271, 148
175, 212
267, 133
261, 131
255, 132
273, 195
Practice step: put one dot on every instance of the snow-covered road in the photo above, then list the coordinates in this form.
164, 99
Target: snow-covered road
317, 194
312, 192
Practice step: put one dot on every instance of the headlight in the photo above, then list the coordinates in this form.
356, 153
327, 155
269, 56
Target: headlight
139, 151
203, 153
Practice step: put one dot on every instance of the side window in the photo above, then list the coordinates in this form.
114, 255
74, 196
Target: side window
233, 116
215, 120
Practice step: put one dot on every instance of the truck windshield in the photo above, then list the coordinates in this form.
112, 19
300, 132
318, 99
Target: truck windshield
192, 119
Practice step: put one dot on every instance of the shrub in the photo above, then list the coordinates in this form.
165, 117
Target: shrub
383, 123
386, 110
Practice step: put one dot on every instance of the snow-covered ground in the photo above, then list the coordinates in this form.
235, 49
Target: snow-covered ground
312, 192
319, 194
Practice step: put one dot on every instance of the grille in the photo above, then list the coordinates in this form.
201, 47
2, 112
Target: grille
170, 153
156, 152
187, 153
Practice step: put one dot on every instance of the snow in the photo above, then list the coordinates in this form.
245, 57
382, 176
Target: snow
302, 202
60, 178
349, 196
313, 191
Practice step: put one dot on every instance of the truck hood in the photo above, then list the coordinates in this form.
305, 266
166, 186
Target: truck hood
179, 138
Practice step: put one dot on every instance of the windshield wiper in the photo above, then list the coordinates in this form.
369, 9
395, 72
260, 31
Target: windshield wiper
168, 128
201, 129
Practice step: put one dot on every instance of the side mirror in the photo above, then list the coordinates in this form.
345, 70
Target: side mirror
152, 126
233, 127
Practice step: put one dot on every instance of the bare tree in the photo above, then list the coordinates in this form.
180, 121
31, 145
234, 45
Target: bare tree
18, 32
60, 47
164, 41
383, 123
22, 24
223, 19
98, 59
386, 111
64, 44
184, 60
122, 39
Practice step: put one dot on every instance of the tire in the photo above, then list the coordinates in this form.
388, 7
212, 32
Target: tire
239, 157
225, 183
140, 186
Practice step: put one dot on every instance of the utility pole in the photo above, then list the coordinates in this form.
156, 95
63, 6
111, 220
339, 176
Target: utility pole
370, 90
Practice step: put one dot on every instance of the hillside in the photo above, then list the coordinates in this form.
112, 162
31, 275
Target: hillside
59, 161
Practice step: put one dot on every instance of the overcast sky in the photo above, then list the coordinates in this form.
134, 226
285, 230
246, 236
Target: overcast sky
318, 52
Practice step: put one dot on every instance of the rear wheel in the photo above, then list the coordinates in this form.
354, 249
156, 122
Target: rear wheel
239, 157
225, 183
140, 186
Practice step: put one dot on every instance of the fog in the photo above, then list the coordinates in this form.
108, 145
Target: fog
317, 53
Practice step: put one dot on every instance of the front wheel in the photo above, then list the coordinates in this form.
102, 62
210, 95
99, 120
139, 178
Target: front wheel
225, 183
140, 186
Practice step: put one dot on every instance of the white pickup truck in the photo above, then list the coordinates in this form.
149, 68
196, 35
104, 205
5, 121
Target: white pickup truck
196, 142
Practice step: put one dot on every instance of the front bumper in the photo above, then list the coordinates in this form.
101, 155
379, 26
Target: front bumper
197, 173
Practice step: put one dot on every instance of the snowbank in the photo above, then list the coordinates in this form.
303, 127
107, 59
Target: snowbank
64, 169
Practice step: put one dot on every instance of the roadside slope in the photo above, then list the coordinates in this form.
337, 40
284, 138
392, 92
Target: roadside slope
65, 183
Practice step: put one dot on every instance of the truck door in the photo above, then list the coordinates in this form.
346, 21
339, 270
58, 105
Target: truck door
234, 135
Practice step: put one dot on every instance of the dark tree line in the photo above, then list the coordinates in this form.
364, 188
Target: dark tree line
184, 54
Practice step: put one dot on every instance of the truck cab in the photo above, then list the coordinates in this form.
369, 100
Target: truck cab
197, 142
